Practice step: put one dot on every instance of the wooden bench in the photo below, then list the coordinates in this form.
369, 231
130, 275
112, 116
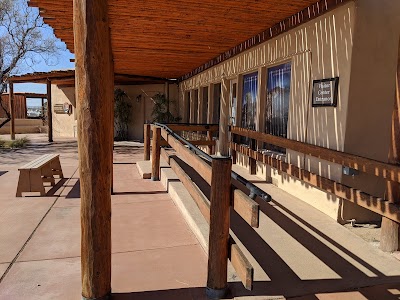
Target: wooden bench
33, 175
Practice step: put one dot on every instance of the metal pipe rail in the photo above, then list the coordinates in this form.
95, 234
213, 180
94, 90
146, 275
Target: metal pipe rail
254, 190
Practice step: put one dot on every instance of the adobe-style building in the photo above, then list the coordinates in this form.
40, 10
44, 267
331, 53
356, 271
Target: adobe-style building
308, 88
61, 89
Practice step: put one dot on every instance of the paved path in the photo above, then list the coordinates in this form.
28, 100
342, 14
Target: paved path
155, 255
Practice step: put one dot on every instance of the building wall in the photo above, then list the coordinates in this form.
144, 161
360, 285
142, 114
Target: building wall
358, 45
64, 125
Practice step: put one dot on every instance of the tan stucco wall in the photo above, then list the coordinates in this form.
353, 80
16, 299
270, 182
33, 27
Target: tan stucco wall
358, 45
141, 111
65, 125
24, 126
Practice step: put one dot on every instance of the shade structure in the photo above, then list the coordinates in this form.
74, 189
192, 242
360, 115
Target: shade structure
170, 38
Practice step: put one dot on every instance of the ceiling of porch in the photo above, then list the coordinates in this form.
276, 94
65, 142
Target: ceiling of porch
170, 38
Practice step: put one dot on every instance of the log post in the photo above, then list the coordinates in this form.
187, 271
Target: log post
155, 153
95, 104
42, 111
219, 227
147, 132
49, 112
390, 233
12, 111
223, 135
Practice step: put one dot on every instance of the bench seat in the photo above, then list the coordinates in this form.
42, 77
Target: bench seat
33, 174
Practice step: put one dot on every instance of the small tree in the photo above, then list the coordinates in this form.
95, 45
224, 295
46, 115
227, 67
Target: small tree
22, 42
160, 112
122, 114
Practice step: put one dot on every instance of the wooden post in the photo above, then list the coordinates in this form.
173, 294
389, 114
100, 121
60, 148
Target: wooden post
219, 227
252, 161
95, 104
42, 107
390, 233
12, 111
155, 153
223, 136
210, 138
147, 132
49, 112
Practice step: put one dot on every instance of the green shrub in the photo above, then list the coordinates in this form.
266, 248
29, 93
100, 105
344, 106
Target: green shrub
17, 143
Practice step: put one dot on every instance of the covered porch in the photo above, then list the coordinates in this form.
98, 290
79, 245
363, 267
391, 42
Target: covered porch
187, 40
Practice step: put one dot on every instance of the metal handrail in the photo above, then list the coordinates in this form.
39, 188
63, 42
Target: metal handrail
254, 190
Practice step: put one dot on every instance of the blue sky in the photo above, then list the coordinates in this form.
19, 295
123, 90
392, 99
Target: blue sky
60, 62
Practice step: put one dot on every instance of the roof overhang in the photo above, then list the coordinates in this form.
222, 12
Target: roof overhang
177, 39
67, 78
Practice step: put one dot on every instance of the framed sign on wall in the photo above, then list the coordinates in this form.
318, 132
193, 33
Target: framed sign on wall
325, 92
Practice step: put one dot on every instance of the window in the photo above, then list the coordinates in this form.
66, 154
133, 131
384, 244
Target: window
249, 101
277, 105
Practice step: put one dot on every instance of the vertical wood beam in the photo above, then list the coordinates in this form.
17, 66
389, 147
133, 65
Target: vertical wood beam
390, 230
43, 109
223, 137
95, 104
155, 153
49, 112
210, 138
12, 111
146, 147
219, 227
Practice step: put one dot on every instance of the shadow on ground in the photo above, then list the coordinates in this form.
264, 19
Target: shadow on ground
175, 294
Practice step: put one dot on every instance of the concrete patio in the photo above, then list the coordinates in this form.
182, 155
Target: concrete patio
155, 254
297, 252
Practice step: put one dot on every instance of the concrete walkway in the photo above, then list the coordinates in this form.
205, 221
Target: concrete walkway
155, 254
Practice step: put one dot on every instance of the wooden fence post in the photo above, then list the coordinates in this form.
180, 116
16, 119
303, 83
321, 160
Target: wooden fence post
49, 111
147, 132
210, 138
219, 227
12, 111
155, 153
252, 161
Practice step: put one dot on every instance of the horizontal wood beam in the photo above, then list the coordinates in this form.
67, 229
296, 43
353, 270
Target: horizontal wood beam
195, 127
375, 204
370, 166
201, 200
241, 264
201, 166
247, 208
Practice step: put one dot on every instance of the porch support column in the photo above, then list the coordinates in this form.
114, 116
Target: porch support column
95, 99
223, 138
49, 112
12, 111
390, 233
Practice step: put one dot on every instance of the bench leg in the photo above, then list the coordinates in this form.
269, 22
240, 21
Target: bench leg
56, 167
37, 182
23, 183
47, 174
